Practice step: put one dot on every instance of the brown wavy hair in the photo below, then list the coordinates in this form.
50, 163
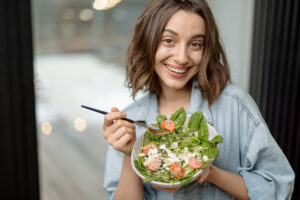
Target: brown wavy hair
214, 72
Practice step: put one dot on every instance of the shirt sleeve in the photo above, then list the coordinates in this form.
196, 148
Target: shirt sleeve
112, 173
265, 169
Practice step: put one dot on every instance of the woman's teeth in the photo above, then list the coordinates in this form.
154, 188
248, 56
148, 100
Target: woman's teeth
178, 71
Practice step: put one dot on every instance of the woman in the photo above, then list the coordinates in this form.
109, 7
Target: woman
175, 55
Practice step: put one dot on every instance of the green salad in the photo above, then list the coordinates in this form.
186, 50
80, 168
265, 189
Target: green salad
177, 156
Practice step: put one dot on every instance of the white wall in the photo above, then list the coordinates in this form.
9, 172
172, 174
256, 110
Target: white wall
235, 21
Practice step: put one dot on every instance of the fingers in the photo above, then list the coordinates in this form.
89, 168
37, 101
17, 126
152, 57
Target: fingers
112, 116
113, 137
200, 180
204, 175
114, 109
127, 138
119, 125
119, 133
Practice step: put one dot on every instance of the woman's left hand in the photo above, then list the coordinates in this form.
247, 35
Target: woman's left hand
204, 176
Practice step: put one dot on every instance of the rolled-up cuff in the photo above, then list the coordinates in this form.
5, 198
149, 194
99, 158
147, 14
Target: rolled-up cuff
257, 186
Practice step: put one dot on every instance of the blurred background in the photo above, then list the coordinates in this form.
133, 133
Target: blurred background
79, 59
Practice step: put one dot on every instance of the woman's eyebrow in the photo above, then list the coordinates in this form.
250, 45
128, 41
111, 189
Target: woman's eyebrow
193, 37
170, 31
198, 36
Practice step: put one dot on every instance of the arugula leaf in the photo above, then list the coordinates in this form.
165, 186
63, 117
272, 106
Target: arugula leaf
179, 117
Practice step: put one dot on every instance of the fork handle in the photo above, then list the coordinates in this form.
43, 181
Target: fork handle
104, 113
138, 123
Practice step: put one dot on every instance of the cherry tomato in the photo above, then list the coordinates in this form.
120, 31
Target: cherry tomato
168, 124
195, 164
154, 164
176, 170
146, 148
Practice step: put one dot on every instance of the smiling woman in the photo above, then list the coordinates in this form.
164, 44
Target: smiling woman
194, 40
175, 55
277, 22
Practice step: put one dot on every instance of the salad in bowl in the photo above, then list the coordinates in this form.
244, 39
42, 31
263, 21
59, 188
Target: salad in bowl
177, 158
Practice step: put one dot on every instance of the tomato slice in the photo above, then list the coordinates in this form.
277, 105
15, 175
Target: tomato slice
154, 164
146, 148
168, 125
194, 163
176, 170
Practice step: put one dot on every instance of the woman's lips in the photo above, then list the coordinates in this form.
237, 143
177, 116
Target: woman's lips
177, 72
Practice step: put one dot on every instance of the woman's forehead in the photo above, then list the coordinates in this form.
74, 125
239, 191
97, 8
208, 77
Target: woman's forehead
182, 21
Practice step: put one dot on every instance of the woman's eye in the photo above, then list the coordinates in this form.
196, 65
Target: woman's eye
168, 41
197, 44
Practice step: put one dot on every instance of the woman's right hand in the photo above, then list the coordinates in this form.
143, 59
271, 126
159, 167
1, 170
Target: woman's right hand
119, 133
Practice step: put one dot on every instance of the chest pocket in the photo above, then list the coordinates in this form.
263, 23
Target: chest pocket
204, 191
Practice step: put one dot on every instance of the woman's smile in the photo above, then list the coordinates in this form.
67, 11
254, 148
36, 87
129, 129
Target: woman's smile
177, 71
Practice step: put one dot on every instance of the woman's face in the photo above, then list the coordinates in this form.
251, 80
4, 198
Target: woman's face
180, 50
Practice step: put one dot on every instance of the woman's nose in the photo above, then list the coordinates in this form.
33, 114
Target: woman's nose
181, 55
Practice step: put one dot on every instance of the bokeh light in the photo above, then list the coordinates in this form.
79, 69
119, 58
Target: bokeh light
86, 15
80, 124
46, 128
105, 4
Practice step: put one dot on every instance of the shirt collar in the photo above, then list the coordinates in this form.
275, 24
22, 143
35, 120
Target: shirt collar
197, 103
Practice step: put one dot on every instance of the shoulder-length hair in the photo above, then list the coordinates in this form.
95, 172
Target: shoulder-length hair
214, 72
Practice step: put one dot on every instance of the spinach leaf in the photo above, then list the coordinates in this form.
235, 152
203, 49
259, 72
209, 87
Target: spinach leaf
160, 119
217, 139
194, 121
202, 130
179, 117
213, 152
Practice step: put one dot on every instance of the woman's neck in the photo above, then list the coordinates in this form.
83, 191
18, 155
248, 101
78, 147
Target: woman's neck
171, 99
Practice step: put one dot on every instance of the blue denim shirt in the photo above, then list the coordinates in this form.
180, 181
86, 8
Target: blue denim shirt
248, 149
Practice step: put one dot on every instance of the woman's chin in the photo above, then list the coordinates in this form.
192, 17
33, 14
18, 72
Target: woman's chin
176, 84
